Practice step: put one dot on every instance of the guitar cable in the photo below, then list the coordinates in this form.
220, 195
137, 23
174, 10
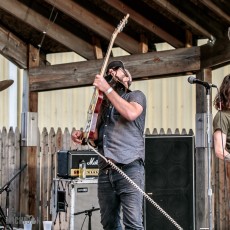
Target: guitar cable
137, 187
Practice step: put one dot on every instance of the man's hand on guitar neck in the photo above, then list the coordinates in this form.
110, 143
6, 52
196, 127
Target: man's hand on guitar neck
100, 83
129, 110
118, 74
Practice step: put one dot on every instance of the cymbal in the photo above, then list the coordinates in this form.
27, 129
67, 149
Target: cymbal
5, 84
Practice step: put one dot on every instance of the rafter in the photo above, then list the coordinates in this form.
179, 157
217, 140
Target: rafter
176, 12
95, 23
55, 32
217, 55
13, 48
169, 38
216, 10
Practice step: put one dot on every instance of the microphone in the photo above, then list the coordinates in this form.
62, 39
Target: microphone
193, 80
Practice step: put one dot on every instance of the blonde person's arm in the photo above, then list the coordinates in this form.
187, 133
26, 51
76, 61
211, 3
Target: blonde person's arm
219, 139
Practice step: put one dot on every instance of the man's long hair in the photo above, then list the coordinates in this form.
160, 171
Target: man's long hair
222, 99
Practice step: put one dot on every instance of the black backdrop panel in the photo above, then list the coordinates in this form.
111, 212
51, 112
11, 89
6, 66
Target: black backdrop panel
169, 177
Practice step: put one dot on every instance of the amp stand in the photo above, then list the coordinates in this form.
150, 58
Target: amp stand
89, 214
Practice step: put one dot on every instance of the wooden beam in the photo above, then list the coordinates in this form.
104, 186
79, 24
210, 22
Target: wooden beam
149, 25
180, 15
143, 44
54, 31
29, 153
215, 55
188, 38
32, 151
95, 23
141, 66
213, 7
97, 48
13, 48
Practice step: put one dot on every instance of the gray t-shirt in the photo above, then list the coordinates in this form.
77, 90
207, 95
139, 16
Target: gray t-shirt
120, 139
221, 121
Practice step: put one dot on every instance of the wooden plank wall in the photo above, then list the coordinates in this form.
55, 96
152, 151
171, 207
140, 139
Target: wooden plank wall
49, 143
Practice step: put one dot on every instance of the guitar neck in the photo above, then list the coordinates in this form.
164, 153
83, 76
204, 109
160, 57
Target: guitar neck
97, 98
114, 35
106, 59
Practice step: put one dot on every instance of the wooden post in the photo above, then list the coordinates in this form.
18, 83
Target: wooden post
97, 48
28, 198
143, 44
188, 38
201, 154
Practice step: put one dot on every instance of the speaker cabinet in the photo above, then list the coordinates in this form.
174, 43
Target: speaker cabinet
169, 180
72, 202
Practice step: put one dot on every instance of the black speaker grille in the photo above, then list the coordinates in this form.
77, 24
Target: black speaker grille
62, 164
169, 178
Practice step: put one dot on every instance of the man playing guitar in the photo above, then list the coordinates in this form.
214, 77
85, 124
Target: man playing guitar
119, 137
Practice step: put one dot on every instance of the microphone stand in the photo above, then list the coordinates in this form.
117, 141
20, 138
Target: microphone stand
89, 213
6, 188
209, 146
208, 86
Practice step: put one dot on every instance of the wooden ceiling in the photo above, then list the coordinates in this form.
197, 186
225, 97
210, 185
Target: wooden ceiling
86, 26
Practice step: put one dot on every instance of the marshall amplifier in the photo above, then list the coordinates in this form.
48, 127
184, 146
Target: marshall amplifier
68, 163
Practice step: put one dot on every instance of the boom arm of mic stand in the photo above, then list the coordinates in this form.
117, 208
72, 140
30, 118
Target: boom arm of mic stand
7, 189
4, 187
87, 211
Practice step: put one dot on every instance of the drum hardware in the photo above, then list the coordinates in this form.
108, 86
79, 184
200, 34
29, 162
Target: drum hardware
5, 84
6, 187
89, 214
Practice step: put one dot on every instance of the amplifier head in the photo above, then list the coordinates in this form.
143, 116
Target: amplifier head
68, 163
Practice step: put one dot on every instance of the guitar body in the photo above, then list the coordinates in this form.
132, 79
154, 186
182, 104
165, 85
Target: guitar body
93, 113
97, 98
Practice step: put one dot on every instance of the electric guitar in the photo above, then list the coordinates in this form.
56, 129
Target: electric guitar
96, 101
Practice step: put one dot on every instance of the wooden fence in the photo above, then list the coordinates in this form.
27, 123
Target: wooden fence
10, 165
49, 143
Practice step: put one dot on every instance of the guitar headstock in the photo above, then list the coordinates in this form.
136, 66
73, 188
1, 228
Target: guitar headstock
114, 35
122, 24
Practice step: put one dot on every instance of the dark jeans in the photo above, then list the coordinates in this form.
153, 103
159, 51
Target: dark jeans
114, 192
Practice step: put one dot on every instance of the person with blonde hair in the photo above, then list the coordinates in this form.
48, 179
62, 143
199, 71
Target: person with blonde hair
221, 121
